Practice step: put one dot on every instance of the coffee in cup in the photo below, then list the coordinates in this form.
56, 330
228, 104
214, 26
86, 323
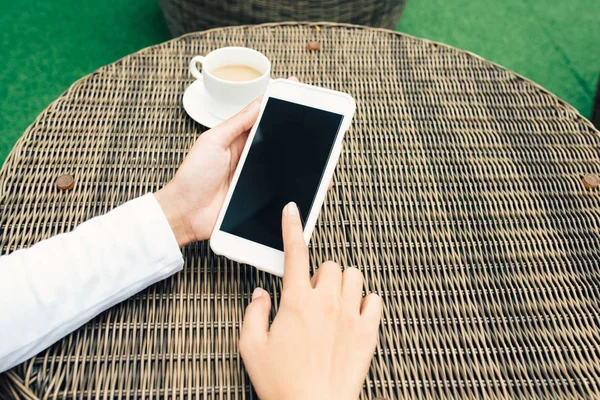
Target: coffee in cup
237, 73
232, 77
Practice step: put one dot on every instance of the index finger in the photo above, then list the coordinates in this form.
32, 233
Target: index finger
296, 262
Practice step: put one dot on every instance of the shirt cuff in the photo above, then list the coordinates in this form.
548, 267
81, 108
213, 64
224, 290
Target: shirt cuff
152, 223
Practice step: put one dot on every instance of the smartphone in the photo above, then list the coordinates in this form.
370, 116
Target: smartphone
290, 155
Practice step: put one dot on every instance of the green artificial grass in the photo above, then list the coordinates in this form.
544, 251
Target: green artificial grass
555, 43
47, 45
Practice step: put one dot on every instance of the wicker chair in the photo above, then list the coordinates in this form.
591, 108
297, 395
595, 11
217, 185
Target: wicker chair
196, 15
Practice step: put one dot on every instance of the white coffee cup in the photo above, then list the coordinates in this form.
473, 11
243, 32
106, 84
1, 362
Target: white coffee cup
226, 98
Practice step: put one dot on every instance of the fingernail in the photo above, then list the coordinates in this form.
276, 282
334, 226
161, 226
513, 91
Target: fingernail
257, 293
292, 209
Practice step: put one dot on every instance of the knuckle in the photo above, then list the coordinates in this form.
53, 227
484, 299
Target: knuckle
330, 265
331, 303
331, 269
295, 247
377, 302
353, 274
299, 246
293, 302
238, 124
373, 314
350, 323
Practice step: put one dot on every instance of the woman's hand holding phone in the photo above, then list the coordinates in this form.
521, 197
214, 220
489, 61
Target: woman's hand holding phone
322, 340
192, 200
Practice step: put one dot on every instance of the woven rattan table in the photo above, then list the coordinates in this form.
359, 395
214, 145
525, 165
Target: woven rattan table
458, 194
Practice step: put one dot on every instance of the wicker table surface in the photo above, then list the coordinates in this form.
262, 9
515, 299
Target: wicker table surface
458, 194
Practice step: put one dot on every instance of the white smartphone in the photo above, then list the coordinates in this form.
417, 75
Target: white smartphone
290, 155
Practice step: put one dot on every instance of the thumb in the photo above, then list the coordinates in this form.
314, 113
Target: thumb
234, 127
256, 321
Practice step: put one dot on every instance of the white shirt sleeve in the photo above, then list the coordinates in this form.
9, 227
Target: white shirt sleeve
57, 285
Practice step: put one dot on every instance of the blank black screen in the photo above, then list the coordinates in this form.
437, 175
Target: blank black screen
285, 163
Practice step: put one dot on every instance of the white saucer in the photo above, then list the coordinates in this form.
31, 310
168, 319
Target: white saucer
194, 102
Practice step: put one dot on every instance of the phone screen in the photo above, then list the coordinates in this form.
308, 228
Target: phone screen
285, 163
